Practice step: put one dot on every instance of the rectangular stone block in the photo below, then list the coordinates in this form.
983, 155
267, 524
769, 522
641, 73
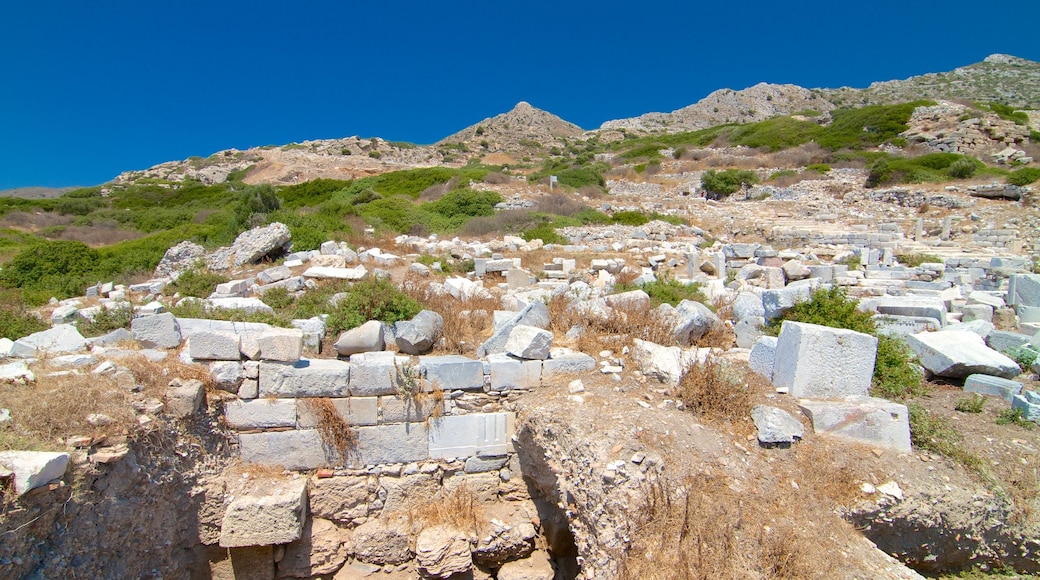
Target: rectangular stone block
819, 361
1024, 290
376, 373
990, 385
470, 435
272, 513
508, 373
1002, 341
297, 450
452, 372
305, 378
927, 306
401, 443
355, 411
896, 325
564, 361
281, 344
408, 409
1029, 403
866, 420
261, 413
214, 346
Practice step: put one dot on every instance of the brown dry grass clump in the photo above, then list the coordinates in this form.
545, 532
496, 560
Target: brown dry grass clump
626, 323
156, 376
334, 430
467, 323
459, 509
716, 389
706, 528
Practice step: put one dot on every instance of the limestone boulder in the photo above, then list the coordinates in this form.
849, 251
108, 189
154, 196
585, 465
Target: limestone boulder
418, 335
60, 339
366, 338
321, 549
692, 320
867, 420
529, 343
184, 398
819, 361
379, 541
156, 331
776, 425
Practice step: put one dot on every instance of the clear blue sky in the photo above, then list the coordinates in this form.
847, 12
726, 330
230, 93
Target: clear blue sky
90, 89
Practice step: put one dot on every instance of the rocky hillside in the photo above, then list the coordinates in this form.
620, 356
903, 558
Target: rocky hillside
522, 128
756, 103
999, 78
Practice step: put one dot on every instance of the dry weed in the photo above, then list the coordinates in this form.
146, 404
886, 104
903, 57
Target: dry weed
716, 390
467, 322
333, 429
459, 509
154, 376
704, 528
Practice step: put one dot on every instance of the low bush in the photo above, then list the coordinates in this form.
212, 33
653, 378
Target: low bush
933, 167
630, 218
915, 260
723, 183
666, 291
15, 320
197, 282
1014, 416
961, 169
972, 404
545, 232
106, 320
371, 298
716, 390
1024, 176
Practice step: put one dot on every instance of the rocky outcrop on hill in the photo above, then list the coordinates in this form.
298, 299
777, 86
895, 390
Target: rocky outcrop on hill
523, 127
756, 103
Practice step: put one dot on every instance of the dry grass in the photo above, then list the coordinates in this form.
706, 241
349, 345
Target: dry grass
459, 509
707, 529
467, 323
626, 323
716, 390
156, 376
333, 429
800, 156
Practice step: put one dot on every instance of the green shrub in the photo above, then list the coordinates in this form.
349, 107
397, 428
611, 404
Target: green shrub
723, 183
972, 404
915, 260
60, 268
1024, 176
667, 290
197, 282
371, 298
1014, 416
1008, 113
821, 168
15, 320
545, 232
630, 218
896, 376
106, 320
461, 204
197, 309
1024, 355
278, 298
961, 169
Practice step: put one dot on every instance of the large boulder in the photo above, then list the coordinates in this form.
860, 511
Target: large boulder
181, 257
253, 245
418, 335
956, 354
692, 320
528, 342
820, 361
366, 338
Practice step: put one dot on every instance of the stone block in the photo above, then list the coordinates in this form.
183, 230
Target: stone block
326, 272
248, 305
319, 552
867, 420
486, 434
214, 346
452, 372
508, 373
896, 325
418, 335
226, 375
357, 411
400, 443
32, 469
156, 331
819, 361
375, 373
274, 274
989, 385
64, 314
971, 312
185, 398
776, 301
1002, 341
1029, 403
407, 410
497, 343
959, 353
272, 512
281, 344
564, 361
1024, 290
926, 306
305, 378
666, 363
261, 413
61, 339
299, 449
748, 331
763, 355
776, 425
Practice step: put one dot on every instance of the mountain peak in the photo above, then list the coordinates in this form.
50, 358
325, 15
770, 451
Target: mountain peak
505, 132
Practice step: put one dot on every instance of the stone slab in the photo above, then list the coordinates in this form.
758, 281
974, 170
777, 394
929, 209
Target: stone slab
281, 344
486, 434
509, 373
214, 346
356, 411
273, 512
452, 372
299, 449
990, 385
32, 469
866, 420
959, 353
260, 413
819, 361
375, 373
400, 443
